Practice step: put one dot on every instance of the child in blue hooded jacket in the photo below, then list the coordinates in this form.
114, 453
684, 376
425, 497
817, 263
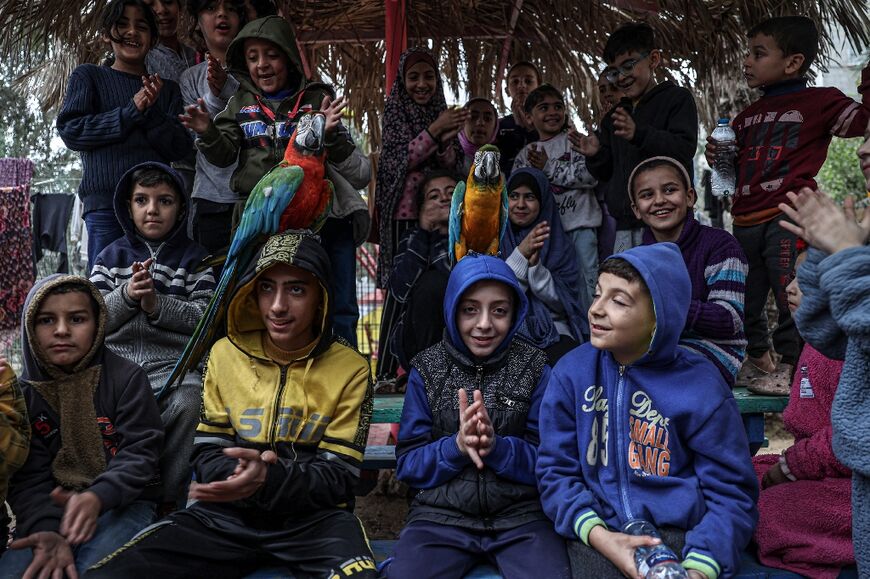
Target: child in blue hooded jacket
471, 458
635, 427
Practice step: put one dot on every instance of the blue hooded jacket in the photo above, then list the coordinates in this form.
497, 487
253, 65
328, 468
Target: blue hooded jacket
660, 439
512, 380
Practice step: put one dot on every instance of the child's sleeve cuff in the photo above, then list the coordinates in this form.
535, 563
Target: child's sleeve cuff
706, 565
585, 523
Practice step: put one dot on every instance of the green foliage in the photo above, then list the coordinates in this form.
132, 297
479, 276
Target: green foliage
841, 174
25, 131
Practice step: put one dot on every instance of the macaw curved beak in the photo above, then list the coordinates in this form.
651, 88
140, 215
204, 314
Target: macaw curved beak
487, 171
310, 135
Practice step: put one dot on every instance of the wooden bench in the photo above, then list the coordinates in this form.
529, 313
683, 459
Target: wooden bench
388, 409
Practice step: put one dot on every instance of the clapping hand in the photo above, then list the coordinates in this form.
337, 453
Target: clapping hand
822, 224
530, 247
140, 288
586, 145
538, 158
147, 95
195, 117
216, 75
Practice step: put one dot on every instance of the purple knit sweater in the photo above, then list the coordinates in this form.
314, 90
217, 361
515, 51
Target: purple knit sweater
717, 268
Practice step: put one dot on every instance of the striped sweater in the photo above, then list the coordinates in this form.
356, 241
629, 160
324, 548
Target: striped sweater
99, 120
717, 268
154, 342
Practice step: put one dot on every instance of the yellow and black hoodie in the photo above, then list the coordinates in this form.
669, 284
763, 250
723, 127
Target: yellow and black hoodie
312, 408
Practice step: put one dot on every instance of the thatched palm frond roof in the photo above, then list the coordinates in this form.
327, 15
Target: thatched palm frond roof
703, 41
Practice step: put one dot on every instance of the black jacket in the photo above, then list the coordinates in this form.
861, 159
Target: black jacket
667, 124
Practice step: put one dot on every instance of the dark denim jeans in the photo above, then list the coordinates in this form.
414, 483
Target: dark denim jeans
114, 528
337, 238
103, 229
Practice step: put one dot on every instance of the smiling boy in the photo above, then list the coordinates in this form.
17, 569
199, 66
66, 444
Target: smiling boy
468, 438
571, 183
285, 415
155, 297
255, 128
664, 121
633, 426
515, 130
663, 198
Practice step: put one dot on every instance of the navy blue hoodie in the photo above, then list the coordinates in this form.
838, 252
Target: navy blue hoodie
673, 450
512, 381
153, 341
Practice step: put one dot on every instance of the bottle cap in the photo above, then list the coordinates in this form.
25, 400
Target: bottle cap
724, 121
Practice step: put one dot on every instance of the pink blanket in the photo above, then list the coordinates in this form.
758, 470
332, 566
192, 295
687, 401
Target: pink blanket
805, 526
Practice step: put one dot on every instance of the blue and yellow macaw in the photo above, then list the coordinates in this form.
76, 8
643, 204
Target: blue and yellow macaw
292, 195
479, 209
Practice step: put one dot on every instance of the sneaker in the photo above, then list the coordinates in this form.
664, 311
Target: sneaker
777, 383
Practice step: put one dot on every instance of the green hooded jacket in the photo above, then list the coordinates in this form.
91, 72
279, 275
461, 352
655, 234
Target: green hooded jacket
226, 138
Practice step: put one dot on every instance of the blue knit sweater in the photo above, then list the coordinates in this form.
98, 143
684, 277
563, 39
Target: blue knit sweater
99, 120
834, 317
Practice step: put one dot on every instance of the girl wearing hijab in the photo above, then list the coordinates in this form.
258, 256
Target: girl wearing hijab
542, 256
419, 134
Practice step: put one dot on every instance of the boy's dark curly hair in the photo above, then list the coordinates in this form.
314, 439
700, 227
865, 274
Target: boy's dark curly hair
631, 37
793, 35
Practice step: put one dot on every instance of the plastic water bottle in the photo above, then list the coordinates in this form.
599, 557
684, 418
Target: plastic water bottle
658, 561
724, 179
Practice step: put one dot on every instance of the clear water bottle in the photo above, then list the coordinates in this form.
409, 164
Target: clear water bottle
658, 561
724, 179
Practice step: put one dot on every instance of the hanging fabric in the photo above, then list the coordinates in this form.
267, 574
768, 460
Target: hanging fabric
51, 214
16, 249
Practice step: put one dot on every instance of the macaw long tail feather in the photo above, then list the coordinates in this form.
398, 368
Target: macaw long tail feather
215, 260
201, 339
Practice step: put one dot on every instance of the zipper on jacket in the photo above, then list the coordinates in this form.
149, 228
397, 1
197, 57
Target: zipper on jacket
621, 458
277, 407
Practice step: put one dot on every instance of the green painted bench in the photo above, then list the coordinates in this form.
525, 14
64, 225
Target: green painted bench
388, 409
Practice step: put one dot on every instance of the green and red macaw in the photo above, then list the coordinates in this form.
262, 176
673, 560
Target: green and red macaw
479, 209
292, 195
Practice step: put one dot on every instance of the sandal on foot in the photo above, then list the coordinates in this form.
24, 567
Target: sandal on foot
777, 383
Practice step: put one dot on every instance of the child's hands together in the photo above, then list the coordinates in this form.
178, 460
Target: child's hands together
195, 117
530, 247
824, 225
476, 436
140, 288
619, 548
216, 75
247, 478
623, 124
147, 95
586, 145
538, 159
448, 124
333, 110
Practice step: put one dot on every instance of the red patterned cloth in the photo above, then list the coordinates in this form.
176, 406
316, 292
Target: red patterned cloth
16, 252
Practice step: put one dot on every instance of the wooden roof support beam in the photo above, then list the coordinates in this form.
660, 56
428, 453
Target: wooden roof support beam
506, 46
